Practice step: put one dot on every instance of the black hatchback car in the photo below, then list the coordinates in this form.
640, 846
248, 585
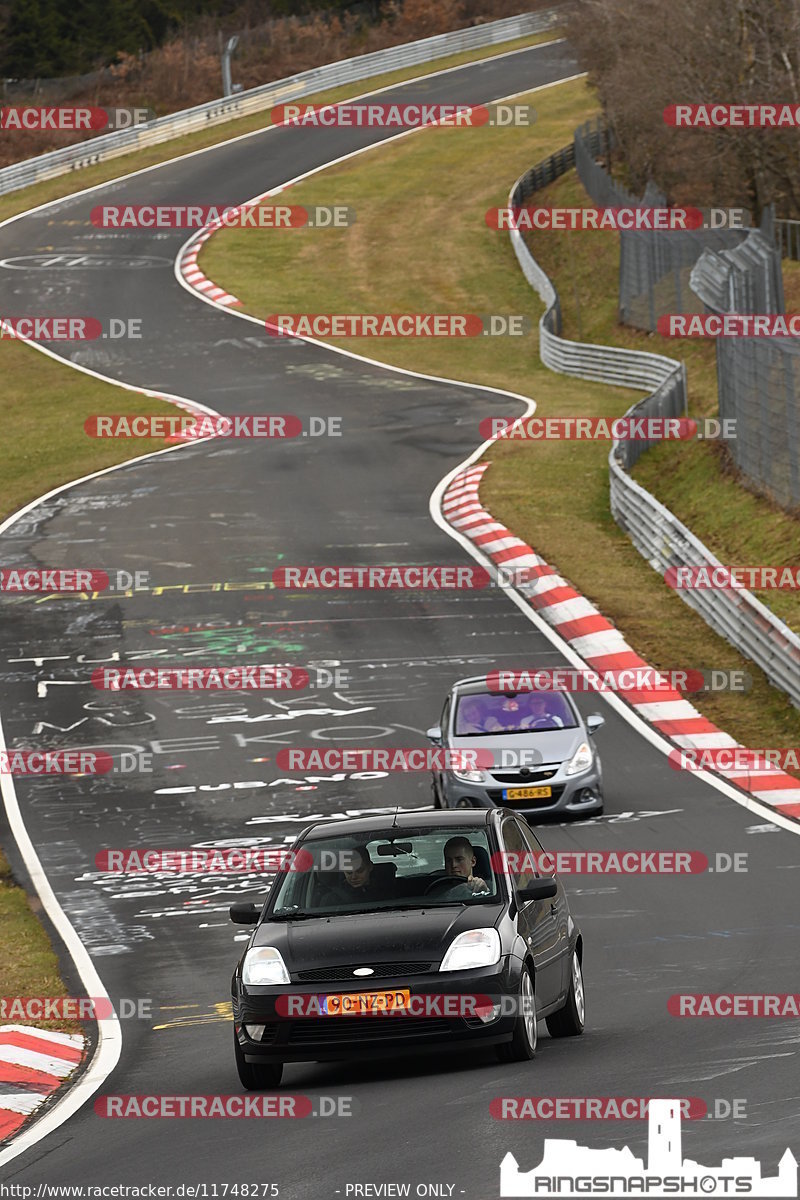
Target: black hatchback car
436, 929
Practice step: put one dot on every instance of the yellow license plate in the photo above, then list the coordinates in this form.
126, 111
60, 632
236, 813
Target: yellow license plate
537, 793
360, 1004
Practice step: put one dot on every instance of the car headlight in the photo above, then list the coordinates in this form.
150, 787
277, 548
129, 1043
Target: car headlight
581, 760
473, 948
263, 965
471, 776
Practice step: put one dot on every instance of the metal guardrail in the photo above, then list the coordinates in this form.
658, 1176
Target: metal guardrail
656, 533
605, 364
736, 614
787, 237
203, 116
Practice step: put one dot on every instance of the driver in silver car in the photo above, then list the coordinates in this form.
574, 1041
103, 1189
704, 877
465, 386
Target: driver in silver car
539, 714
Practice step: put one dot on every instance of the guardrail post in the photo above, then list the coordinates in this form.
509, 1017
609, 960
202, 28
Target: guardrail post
227, 86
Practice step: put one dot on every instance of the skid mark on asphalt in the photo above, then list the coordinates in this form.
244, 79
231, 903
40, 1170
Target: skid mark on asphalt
213, 1015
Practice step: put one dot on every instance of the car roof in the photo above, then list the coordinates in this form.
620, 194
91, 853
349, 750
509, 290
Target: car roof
471, 818
477, 684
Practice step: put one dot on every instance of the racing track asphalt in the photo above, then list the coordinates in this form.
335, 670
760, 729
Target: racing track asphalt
231, 512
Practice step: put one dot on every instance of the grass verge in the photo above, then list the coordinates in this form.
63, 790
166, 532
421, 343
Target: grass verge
43, 407
28, 965
427, 195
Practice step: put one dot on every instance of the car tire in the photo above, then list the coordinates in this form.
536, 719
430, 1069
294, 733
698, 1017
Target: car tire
256, 1077
522, 1046
570, 1021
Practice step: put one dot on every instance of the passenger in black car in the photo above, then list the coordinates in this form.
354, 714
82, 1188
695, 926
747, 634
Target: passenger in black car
361, 879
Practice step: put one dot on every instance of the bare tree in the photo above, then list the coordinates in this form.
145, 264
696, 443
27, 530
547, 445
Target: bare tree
642, 57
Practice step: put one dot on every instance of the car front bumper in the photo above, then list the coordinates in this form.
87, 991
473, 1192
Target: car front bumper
581, 794
319, 1038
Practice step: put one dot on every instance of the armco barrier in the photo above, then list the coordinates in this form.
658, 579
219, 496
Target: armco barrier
742, 620
656, 533
349, 70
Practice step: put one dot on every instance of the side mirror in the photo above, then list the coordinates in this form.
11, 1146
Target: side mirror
244, 913
434, 734
595, 722
540, 889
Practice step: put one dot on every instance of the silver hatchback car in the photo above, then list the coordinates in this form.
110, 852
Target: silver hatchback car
543, 755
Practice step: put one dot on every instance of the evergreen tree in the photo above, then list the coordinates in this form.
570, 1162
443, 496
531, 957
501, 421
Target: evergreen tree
32, 42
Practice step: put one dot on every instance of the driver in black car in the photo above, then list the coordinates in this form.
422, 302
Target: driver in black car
459, 859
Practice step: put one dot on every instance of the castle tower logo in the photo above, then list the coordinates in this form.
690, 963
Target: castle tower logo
568, 1169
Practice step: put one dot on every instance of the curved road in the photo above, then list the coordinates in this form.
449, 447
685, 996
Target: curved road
230, 512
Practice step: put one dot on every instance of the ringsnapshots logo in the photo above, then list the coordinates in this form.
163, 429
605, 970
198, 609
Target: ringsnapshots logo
567, 1169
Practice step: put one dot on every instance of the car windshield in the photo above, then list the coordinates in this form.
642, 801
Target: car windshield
388, 869
528, 712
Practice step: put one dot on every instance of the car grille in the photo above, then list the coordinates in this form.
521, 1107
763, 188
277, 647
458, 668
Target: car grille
523, 780
380, 971
541, 802
347, 1029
